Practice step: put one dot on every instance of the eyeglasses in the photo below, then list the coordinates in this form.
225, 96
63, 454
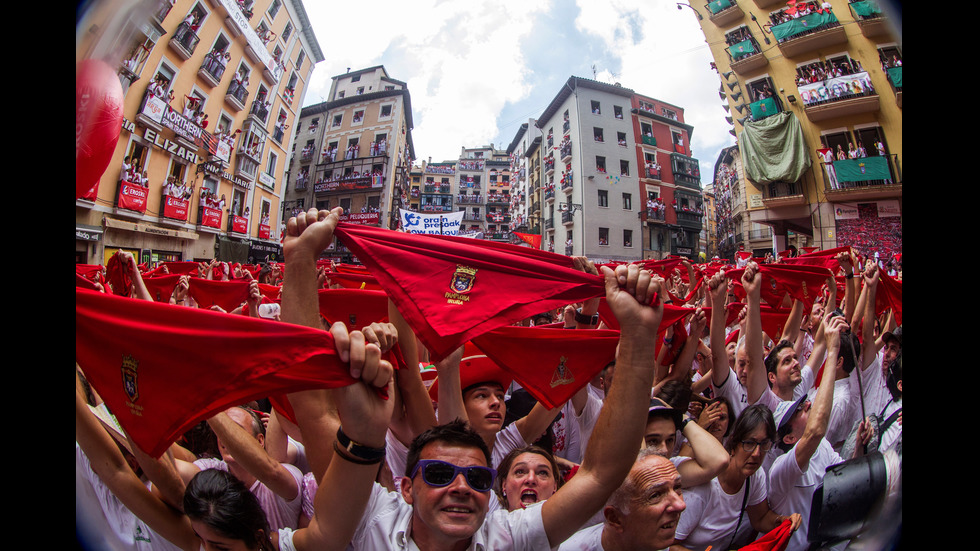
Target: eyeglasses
750, 445
440, 473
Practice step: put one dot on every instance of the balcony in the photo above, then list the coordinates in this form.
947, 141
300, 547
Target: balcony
724, 12
212, 69
767, 3
746, 56
568, 250
765, 107
549, 194
648, 139
549, 224
686, 171
867, 178
653, 216
472, 216
469, 200
567, 218
809, 33
780, 194
237, 95
566, 151
690, 220
278, 133
839, 97
494, 198
307, 154
567, 182
259, 110
184, 41
895, 80
869, 18
565, 127
652, 171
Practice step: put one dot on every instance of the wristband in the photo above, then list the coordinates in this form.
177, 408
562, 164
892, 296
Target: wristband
357, 453
586, 320
849, 276
684, 422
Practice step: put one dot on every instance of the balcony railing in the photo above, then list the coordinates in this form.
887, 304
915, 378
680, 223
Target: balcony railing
863, 174
765, 107
184, 40
566, 150
213, 68
259, 110
237, 95
839, 97
723, 12
567, 217
746, 56
653, 215
649, 140
468, 199
808, 33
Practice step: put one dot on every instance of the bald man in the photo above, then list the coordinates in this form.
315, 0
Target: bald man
642, 514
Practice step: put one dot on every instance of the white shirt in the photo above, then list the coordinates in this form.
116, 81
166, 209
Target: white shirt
712, 514
386, 524
791, 490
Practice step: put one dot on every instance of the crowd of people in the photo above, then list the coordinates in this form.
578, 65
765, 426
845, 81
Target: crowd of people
716, 403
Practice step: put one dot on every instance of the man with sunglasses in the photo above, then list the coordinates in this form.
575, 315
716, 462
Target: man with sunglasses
443, 502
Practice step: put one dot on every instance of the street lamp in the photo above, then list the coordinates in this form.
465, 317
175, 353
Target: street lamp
692, 9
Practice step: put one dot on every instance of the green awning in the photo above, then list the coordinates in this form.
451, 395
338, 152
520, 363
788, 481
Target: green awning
719, 5
763, 108
804, 24
741, 49
865, 8
895, 75
774, 149
863, 169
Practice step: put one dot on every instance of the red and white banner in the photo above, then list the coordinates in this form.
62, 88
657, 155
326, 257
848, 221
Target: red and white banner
211, 217
263, 231
239, 224
175, 208
132, 197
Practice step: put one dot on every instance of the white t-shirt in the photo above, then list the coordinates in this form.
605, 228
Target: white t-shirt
734, 391
791, 490
101, 518
711, 514
387, 519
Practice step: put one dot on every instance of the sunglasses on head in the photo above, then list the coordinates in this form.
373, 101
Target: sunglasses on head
440, 473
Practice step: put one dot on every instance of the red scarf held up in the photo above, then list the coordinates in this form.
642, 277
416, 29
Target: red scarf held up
161, 369
552, 364
452, 289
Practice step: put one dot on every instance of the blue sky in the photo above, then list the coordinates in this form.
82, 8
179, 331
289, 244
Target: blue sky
479, 69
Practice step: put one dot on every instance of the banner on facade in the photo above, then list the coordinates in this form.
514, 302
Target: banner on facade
239, 224
833, 88
369, 218
175, 208
438, 224
211, 217
264, 231
132, 197
862, 169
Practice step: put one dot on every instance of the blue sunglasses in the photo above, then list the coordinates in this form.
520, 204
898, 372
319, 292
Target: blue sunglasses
440, 473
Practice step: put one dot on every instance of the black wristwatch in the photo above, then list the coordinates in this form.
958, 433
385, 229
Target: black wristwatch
359, 451
586, 320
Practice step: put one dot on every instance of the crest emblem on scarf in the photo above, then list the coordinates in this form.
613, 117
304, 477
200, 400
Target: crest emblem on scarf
562, 375
772, 283
805, 293
463, 279
129, 377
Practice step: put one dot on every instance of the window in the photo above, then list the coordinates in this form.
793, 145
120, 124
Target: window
603, 198
597, 133
603, 236
600, 164
385, 111
358, 116
355, 78
646, 129
624, 168
341, 94
287, 31
618, 112
627, 201
299, 59
360, 90
627, 238
621, 139
274, 8
596, 110
271, 168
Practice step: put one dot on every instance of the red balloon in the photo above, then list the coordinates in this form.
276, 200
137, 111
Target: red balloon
98, 120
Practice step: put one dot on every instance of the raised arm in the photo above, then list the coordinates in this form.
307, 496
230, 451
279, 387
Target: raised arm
708, 456
868, 347
251, 455
111, 467
819, 417
417, 412
619, 429
755, 380
718, 291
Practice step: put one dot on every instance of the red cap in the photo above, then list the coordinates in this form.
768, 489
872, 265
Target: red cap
474, 370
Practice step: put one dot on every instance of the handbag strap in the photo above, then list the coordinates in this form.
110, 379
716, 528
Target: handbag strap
745, 500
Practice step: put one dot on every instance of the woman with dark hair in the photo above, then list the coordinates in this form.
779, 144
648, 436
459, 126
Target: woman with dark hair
223, 512
526, 475
728, 510
716, 418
